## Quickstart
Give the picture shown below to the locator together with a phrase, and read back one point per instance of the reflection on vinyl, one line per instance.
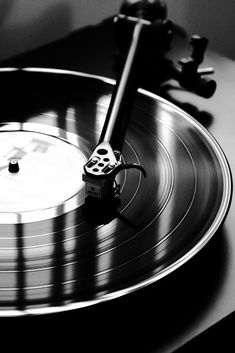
(56, 252)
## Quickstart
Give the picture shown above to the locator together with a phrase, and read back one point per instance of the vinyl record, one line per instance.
(57, 251)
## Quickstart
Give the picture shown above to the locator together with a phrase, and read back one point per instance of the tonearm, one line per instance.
(141, 26)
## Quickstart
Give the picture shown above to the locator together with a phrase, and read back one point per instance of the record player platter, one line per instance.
(58, 253)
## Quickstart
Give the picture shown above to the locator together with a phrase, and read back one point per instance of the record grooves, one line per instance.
(67, 256)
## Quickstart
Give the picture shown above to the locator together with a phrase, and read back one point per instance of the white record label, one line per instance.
(50, 172)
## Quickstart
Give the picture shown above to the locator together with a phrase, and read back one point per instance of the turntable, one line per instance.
(107, 189)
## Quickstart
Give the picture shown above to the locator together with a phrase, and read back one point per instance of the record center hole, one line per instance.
(102, 151)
